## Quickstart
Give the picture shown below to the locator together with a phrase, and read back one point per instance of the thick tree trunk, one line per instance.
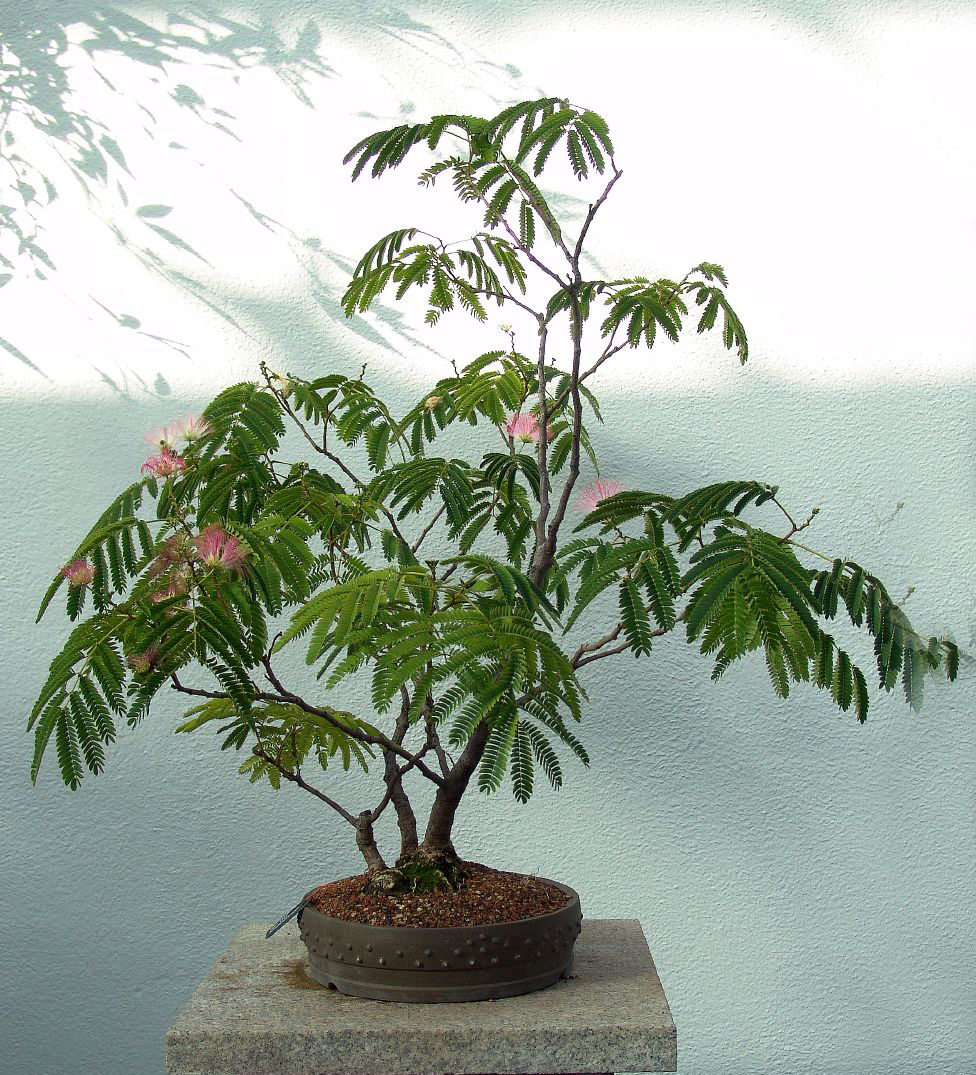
(434, 864)
(437, 837)
(406, 819)
(366, 842)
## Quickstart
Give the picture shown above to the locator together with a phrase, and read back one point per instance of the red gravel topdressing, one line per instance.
(487, 896)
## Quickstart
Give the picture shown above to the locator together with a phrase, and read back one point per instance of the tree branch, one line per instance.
(287, 408)
(197, 692)
(379, 740)
(323, 449)
(394, 781)
(545, 483)
(593, 651)
(594, 209)
(395, 791)
(607, 653)
(609, 352)
(427, 529)
(516, 239)
(546, 552)
(504, 294)
(260, 752)
(557, 239)
(433, 738)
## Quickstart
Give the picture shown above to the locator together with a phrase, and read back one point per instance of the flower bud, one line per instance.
(140, 663)
(78, 573)
(282, 383)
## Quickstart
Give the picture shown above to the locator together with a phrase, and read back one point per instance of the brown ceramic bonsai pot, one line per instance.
(442, 964)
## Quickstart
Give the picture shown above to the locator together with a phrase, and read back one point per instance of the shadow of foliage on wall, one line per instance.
(42, 48)
(60, 99)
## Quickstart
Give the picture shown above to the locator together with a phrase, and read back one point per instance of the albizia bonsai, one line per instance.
(449, 580)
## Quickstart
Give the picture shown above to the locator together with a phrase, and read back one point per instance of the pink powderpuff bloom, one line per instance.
(190, 428)
(523, 427)
(187, 429)
(217, 548)
(163, 438)
(164, 464)
(596, 491)
(78, 572)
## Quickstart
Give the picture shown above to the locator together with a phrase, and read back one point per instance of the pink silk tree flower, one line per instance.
(164, 464)
(217, 548)
(523, 427)
(189, 429)
(163, 438)
(595, 491)
(78, 572)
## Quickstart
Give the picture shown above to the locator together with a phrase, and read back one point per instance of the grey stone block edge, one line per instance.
(256, 1013)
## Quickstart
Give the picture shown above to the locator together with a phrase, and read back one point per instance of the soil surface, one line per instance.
(487, 896)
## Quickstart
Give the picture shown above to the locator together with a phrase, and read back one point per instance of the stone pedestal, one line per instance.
(258, 1013)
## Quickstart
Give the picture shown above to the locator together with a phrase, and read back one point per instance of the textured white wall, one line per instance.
(806, 884)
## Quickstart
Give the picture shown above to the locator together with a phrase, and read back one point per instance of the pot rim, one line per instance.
(345, 923)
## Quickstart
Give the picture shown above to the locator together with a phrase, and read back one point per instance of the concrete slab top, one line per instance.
(258, 1013)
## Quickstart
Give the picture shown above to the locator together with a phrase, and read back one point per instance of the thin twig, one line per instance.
(593, 210)
(504, 294)
(297, 778)
(591, 651)
(427, 529)
(608, 353)
(516, 239)
(795, 527)
(605, 653)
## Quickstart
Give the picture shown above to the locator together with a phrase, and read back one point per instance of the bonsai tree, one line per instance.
(450, 580)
